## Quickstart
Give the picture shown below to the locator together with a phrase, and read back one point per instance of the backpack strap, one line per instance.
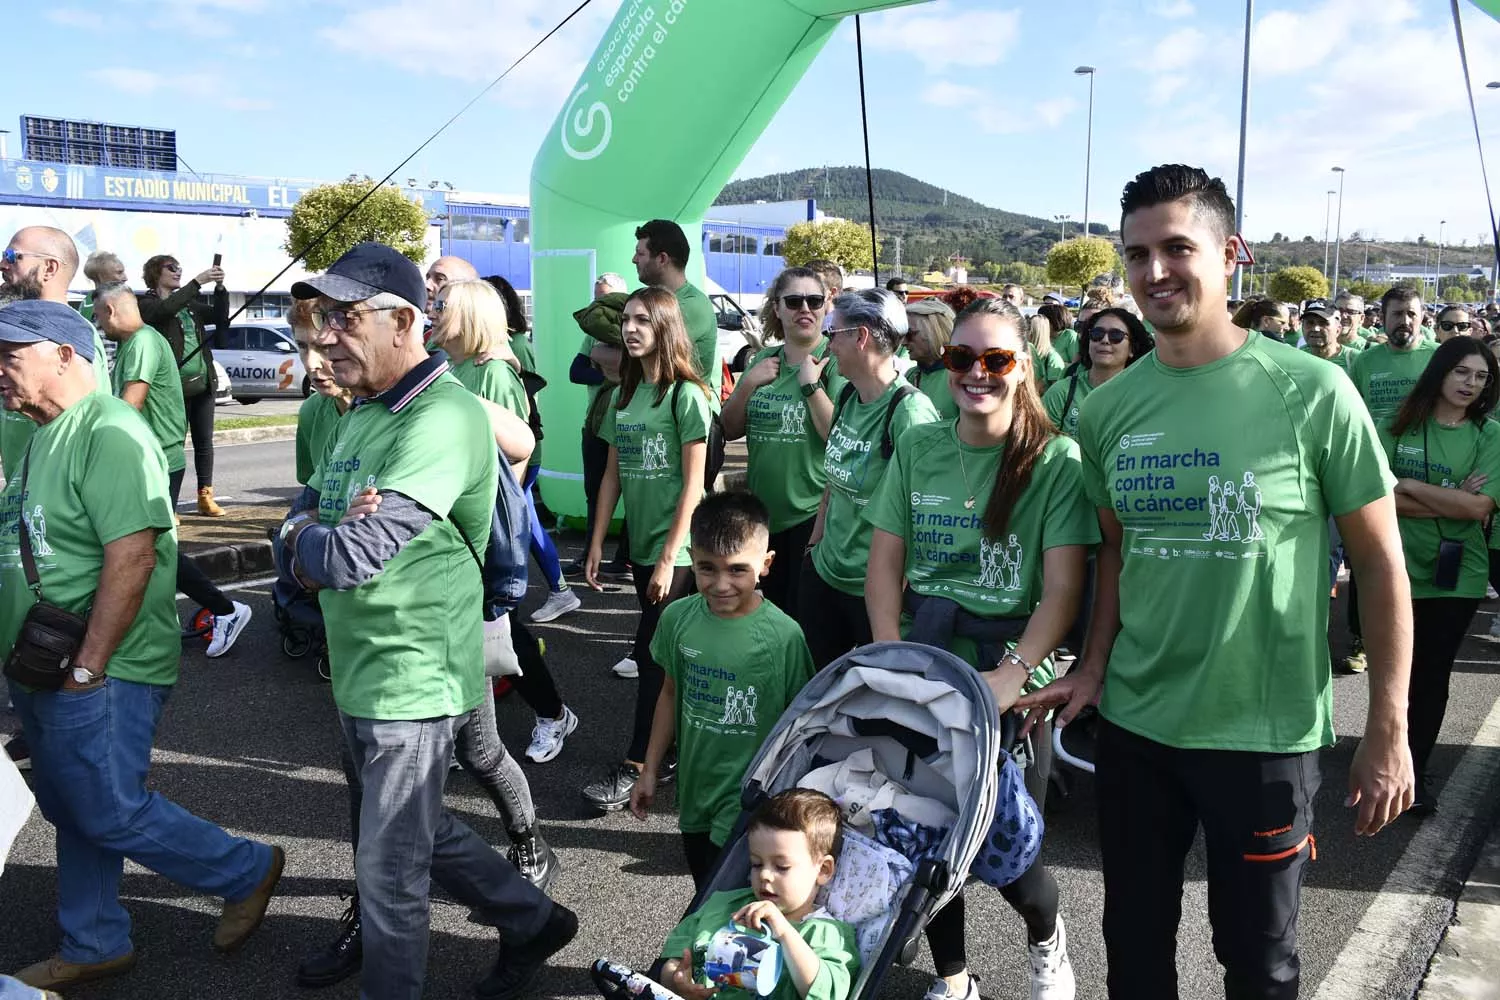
(887, 446)
(1068, 403)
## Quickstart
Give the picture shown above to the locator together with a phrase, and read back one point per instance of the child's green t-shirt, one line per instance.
(734, 677)
(831, 940)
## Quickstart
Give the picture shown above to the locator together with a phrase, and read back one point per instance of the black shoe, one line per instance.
(535, 861)
(19, 752)
(341, 958)
(668, 769)
(612, 791)
(519, 963)
(617, 569)
(574, 568)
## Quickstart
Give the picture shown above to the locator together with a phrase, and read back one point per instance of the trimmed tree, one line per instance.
(1079, 260)
(1298, 283)
(839, 240)
(385, 217)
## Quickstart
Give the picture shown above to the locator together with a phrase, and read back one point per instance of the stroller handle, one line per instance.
(1062, 752)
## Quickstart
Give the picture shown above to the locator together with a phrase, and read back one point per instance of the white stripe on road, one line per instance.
(1371, 961)
(242, 585)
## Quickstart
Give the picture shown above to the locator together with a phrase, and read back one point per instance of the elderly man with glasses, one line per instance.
(390, 535)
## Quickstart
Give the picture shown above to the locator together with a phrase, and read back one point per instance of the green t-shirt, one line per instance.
(1385, 376)
(495, 381)
(408, 643)
(831, 940)
(520, 346)
(1057, 397)
(599, 395)
(854, 464)
(1344, 358)
(316, 418)
(734, 677)
(922, 500)
(1050, 368)
(16, 428)
(197, 366)
(95, 475)
(703, 330)
(1065, 343)
(786, 453)
(648, 438)
(934, 385)
(1224, 602)
(1445, 456)
(145, 356)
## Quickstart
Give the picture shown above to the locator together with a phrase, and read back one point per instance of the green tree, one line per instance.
(1079, 260)
(839, 240)
(1370, 291)
(1020, 273)
(385, 217)
(1455, 286)
(1296, 283)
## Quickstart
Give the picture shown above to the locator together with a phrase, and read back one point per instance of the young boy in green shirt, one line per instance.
(733, 662)
(794, 844)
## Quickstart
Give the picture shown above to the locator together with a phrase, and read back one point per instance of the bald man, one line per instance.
(40, 263)
(442, 271)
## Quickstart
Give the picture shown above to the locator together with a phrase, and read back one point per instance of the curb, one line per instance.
(228, 563)
(1467, 963)
(254, 435)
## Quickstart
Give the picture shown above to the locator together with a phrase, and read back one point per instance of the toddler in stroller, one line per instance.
(906, 738)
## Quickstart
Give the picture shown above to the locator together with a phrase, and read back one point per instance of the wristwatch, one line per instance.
(83, 675)
(811, 388)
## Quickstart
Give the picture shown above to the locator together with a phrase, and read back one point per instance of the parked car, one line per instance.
(740, 334)
(262, 361)
(226, 385)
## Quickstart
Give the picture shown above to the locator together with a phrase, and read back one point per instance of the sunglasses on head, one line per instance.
(1449, 326)
(996, 360)
(796, 302)
(1099, 333)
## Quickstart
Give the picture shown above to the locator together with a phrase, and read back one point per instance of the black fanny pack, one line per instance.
(50, 636)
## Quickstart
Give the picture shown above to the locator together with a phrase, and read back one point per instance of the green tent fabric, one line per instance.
(1490, 7)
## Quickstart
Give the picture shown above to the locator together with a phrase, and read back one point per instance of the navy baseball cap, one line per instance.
(31, 321)
(365, 271)
(1319, 307)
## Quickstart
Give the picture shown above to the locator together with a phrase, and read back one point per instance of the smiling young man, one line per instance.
(1208, 637)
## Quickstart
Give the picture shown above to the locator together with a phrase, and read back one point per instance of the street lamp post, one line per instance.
(1437, 286)
(1239, 186)
(1088, 149)
(1062, 226)
(1338, 232)
(1327, 223)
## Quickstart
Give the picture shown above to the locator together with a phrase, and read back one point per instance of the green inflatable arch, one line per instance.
(668, 106)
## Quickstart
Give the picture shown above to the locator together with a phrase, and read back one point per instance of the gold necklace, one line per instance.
(962, 468)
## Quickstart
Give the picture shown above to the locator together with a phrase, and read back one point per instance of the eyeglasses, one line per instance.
(174, 268)
(338, 319)
(796, 302)
(900, 293)
(10, 255)
(438, 305)
(1471, 375)
(996, 360)
(1449, 326)
(843, 329)
(1098, 334)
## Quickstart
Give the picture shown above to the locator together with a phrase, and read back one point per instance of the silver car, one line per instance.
(262, 361)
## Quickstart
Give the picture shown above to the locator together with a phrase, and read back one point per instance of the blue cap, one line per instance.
(365, 271)
(31, 321)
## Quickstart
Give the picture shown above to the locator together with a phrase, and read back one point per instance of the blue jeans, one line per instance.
(406, 839)
(543, 548)
(90, 752)
(14, 989)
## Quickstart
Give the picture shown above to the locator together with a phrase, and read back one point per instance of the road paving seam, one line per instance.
(1388, 953)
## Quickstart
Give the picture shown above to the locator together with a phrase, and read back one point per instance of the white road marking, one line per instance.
(1372, 959)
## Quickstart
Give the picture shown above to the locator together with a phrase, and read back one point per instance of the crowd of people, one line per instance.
(1066, 504)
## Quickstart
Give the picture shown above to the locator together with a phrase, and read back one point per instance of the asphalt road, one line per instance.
(250, 741)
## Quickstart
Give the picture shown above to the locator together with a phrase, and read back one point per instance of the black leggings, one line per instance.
(832, 621)
(648, 685)
(192, 582)
(780, 586)
(595, 459)
(701, 853)
(1439, 625)
(1034, 895)
(200, 418)
(535, 683)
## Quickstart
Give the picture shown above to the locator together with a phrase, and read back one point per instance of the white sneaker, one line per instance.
(1495, 627)
(1489, 593)
(626, 668)
(227, 628)
(547, 738)
(1051, 972)
(558, 603)
(939, 990)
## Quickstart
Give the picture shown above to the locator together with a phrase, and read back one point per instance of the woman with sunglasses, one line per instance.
(1115, 339)
(870, 414)
(1453, 321)
(1445, 453)
(658, 447)
(929, 328)
(988, 513)
(783, 406)
(172, 308)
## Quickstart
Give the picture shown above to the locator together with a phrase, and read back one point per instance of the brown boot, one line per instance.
(206, 505)
(57, 972)
(241, 919)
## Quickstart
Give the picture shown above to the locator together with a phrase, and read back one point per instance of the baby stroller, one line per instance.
(300, 621)
(926, 720)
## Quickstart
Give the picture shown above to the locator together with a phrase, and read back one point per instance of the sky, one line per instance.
(976, 96)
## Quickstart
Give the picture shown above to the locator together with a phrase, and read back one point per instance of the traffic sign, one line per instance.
(1242, 255)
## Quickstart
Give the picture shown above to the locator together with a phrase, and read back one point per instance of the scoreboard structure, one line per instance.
(97, 144)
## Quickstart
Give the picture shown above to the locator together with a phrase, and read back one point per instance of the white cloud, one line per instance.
(941, 36)
(72, 17)
(1173, 9)
(992, 114)
(200, 86)
(1050, 113)
(943, 94)
(138, 82)
(1179, 50)
(1165, 87)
